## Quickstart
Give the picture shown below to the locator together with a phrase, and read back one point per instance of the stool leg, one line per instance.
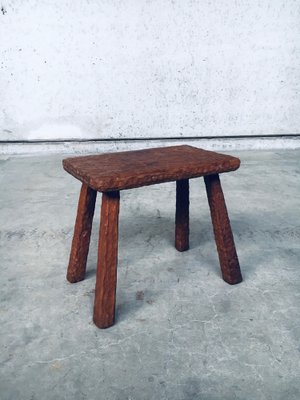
(182, 215)
(82, 234)
(106, 279)
(223, 235)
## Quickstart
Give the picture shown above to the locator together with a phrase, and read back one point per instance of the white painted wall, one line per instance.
(148, 68)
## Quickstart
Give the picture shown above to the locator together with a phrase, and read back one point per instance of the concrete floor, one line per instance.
(181, 332)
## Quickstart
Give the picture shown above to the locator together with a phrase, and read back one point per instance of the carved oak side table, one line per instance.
(109, 173)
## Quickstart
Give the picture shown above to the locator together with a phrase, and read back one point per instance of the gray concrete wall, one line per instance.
(79, 69)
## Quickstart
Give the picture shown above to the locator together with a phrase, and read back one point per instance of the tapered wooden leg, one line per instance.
(223, 235)
(182, 215)
(82, 234)
(106, 279)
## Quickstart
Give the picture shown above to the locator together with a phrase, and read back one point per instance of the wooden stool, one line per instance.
(109, 173)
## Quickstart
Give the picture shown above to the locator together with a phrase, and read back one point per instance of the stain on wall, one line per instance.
(139, 69)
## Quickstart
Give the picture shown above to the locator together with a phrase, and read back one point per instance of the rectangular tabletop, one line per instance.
(130, 169)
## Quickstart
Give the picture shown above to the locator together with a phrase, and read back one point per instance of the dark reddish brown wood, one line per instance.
(112, 172)
(129, 169)
(182, 215)
(82, 234)
(106, 279)
(223, 235)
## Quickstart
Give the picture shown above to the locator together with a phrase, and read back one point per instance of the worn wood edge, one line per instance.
(153, 179)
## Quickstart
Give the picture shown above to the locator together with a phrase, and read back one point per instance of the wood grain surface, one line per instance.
(106, 278)
(223, 234)
(82, 234)
(129, 169)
